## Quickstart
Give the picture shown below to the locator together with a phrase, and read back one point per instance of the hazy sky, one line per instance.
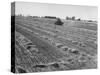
(58, 10)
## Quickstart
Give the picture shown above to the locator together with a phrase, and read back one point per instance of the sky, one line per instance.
(58, 10)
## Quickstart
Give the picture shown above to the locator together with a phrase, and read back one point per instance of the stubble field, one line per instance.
(40, 47)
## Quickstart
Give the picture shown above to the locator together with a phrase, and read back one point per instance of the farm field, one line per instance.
(42, 47)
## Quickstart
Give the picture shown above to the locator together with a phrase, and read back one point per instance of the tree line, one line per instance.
(58, 20)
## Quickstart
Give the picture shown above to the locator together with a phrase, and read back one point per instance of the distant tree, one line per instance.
(50, 17)
(20, 15)
(70, 18)
(73, 18)
(90, 21)
(67, 18)
(35, 16)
